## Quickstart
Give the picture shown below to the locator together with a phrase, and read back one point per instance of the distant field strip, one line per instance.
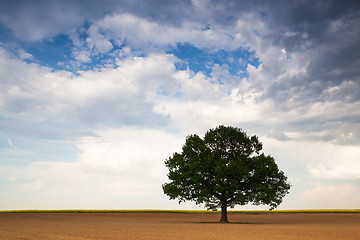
(183, 211)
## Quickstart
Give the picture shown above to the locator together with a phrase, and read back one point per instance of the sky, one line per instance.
(96, 95)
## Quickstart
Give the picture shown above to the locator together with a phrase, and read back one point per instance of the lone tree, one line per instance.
(225, 169)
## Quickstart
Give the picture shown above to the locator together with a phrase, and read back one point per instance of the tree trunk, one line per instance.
(224, 218)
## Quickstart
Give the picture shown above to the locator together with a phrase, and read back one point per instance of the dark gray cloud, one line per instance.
(36, 20)
(298, 17)
(325, 32)
(300, 22)
(325, 35)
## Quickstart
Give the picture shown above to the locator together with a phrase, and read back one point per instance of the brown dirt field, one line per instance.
(178, 226)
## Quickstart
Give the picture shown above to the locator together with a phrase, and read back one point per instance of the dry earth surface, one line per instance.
(178, 226)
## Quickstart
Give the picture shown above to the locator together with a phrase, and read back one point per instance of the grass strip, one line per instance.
(181, 211)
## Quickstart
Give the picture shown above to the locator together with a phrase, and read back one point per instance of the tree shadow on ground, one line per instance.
(227, 223)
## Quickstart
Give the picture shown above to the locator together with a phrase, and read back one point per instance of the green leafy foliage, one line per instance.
(225, 169)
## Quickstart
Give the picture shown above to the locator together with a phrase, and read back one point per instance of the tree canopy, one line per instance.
(224, 169)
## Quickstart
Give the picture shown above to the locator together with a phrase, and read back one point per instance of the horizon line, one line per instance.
(177, 211)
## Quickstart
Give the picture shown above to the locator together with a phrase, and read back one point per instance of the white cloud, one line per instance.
(346, 171)
(194, 115)
(131, 152)
(337, 162)
(322, 175)
(97, 41)
(82, 56)
(120, 167)
(23, 55)
(322, 160)
(145, 34)
(126, 165)
(32, 91)
(196, 86)
(339, 195)
(140, 87)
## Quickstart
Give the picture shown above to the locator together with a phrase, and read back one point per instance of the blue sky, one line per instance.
(96, 95)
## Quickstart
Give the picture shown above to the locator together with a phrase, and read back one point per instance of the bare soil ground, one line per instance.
(178, 226)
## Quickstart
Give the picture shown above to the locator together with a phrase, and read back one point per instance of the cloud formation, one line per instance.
(135, 77)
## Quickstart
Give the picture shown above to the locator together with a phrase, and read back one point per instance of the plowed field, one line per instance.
(107, 226)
